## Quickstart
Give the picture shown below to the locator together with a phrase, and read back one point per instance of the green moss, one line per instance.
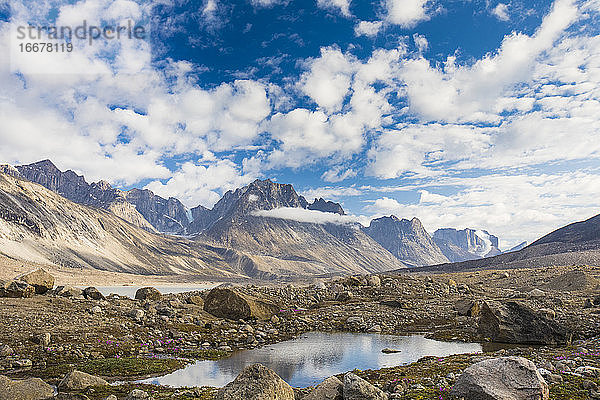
(128, 367)
(570, 389)
(205, 354)
(157, 392)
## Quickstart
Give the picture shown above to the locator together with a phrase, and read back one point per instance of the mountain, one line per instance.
(466, 244)
(38, 224)
(140, 207)
(287, 244)
(518, 247)
(326, 206)
(574, 244)
(407, 240)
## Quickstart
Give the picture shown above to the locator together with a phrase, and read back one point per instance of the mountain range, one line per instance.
(232, 238)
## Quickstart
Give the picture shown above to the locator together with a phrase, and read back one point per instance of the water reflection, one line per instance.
(315, 356)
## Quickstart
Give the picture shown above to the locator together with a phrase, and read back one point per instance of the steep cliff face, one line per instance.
(147, 210)
(466, 244)
(407, 240)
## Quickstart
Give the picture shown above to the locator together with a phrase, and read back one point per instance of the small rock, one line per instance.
(137, 314)
(96, 310)
(344, 296)
(373, 281)
(24, 363)
(196, 300)
(111, 397)
(5, 350)
(374, 329)
(137, 394)
(536, 293)
(77, 380)
(43, 340)
(387, 350)
(69, 291)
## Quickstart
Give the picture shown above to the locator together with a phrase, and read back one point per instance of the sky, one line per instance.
(463, 113)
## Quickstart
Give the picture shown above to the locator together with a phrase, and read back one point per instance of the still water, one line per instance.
(129, 291)
(314, 356)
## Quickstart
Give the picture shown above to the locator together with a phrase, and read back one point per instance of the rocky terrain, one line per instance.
(550, 316)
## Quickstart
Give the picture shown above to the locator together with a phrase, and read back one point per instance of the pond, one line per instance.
(129, 291)
(315, 356)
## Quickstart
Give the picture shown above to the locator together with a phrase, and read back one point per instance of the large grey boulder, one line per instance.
(16, 289)
(69, 291)
(330, 389)
(39, 279)
(504, 378)
(356, 388)
(515, 322)
(28, 389)
(257, 382)
(148, 293)
(229, 303)
(77, 380)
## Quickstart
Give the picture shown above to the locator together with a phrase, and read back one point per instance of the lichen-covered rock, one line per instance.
(229, 303)
(356, 388)
(257, 382)
(77, 380)
(503, 378)
(41, 280)
(28, 389)
(148, 293)
(69, 291)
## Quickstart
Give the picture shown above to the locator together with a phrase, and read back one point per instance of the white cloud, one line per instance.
(514, 207)
(330, 192)
(342, 5)
(406, 13)
(421, 42)
(368, 28)
(338, 174)
(311, 216)
(501, 12)
(203, 184)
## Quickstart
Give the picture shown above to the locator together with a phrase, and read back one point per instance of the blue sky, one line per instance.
(479, 114)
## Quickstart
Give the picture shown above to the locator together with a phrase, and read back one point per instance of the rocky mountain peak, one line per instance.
(466, 244)
(406, 239)
(9, 170)
(326, 206)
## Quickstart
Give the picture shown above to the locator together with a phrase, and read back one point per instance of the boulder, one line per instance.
(256, 382)
(69, 291)
(344, 296)
(356, 388)
(196, 300)
(28, 389)
(330, 389)
(467, 308)
(229, 303)
(503, 378)
(373, 280)
(17, 289)
(137, 394)
(514, 322)
(39, 279)
(148, 293)
(43, 339)
(91, 293)
(77, 380)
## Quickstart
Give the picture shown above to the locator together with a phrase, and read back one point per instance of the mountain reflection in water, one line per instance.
(314, 356)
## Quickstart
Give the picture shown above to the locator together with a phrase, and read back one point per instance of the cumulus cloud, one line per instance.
(202, 184)
(311, 216)
(406, 13)
(342, 5)
(501, 12)
(338, 174)
(368, 28)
